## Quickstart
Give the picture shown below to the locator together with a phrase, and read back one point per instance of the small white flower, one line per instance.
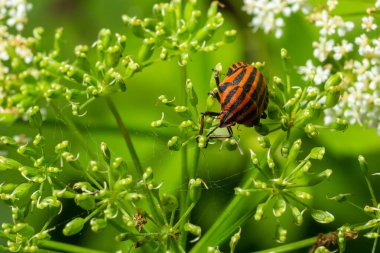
(377, 4)
(322, 48)
(317, 74)
(342, 49)
(331, 4)
(368, 24)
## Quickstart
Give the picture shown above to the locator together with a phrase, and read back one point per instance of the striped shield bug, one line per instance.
(243, 96)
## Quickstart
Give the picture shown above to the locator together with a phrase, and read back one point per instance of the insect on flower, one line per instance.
(243, 96)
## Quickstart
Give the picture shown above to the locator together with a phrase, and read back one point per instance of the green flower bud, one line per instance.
(278, 83)
(230, 36)
(26, 151)
(175, 143)
(186, 123)
(113, 55)
(333, 95)
(110, 212)
(193, 22)
(30, 248)
(98, 225)
(193, 229)
(311, 131)
(135, 24)
(303, 195)
(333, 80)
(192, 95)
(285, 148)
(50, 201)
(372, 235)
(61, 147)
(35, 117)
(297, 215)
(317, 153)
(6, 140)
(146, 50)
(258, 184)
(254, 157)
(134, 197)
(321, 216)
(281, 234)
(119, 167)
(340, 197)
(8, 164)
(183, 111)
(242, 192)
(363, 165)
(234, 240)
(164, 54)
(202, 141)
(58, 39)
(230, 144)
(163, 99)
(213, 250)
(279, 207)
(316, 179)
(284, 53)
(105, 151)
(264, 142)
(64, 193)
(339, 125)
(121, 184)
(21, 192)
(23, 229)
(259, 211)
(195, 189)
(294, 151)
(169, 202)
(262, 129)
(73, 227)
(85, 200)
(169, 17)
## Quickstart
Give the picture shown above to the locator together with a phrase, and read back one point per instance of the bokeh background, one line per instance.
(222, 170)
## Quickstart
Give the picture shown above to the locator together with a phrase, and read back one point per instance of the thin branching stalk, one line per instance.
(134, 156)
(66, 247)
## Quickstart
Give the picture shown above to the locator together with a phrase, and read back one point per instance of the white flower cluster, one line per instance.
(13, 15)
(360, 101)
(357, 57)
(268, 14)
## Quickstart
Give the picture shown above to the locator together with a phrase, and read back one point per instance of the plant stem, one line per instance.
(184, 162)
(65, 247)
(290, 247)
(135, 158)
(238, 211)
(375, 241)
(370, 188)
(127, 138)
(75, 131)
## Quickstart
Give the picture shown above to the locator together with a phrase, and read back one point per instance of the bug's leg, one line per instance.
(231, 135)
(216, 77)
(215, 94)
(202, 121)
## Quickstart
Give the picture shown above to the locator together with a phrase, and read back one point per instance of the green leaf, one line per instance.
(321, 216)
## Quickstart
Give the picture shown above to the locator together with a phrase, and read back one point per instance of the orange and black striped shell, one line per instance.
(243, 96)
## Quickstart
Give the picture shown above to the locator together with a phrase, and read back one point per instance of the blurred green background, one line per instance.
(222, 170)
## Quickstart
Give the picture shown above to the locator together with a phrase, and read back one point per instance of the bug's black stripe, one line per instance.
(235, 67)
(248, 85)
(250, 102)
(238, 78)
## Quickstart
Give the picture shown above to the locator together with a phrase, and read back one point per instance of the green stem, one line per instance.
(238, 211)
(65, 247)
(370, 188)
(375, 241)
(290, 247)
(75, 131)
(184, 202)
(126, 136)
(135, 158)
